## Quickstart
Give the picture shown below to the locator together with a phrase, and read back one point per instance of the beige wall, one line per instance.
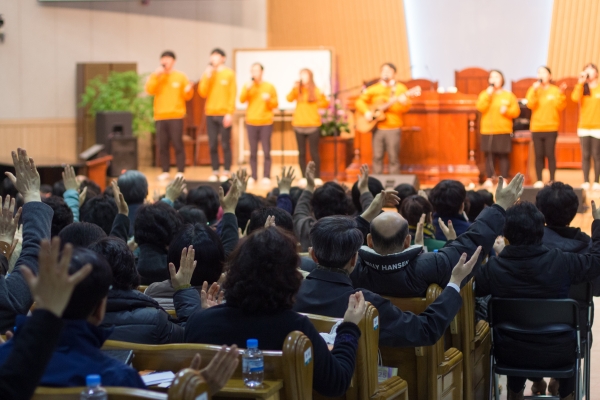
(574, 36)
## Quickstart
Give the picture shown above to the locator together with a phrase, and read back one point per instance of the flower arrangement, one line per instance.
(334, 120)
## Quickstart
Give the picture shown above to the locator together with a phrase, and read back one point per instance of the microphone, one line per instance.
(539, 80)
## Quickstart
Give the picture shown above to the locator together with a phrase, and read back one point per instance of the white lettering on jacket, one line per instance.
(387, 267)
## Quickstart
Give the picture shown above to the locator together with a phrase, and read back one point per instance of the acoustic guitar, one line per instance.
(378, 110)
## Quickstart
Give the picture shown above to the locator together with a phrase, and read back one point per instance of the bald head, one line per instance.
(389, 231)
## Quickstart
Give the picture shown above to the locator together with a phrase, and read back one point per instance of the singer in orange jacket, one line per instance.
(498, 108)
(546, 101)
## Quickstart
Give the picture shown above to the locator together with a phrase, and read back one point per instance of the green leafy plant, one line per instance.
(121, 91)
(334, 120)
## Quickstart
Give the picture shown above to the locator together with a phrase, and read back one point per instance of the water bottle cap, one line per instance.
(435, 251)
(252, 343)
(92, 380)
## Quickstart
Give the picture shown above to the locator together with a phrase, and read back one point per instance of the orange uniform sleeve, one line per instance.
(483, 101)
(205, 84)
(152, 84)
(561, 101)
(322, 101)
(532, 98)
(398, 107)
(244, 94)
(364, 101)
(513, 110)
(292, 95)
(232, 92)
(577, 93)
(187, 96)
(273, 102)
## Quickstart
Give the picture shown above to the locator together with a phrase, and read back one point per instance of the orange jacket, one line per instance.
(589, 111)
(219, 92)
(492, 121)
(169, 94)
(260, 111)
(306, 113)
(380, 93)
(545, 105)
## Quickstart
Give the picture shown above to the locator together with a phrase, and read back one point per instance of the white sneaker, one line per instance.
(164, 176)
(318, 182)
(488, 183)
(224, 178)
(596, 187)
(179, 175)
(538, 185)
(265, 181)
(585, 186)
(213, 178)
(251, 182)
(302, 183)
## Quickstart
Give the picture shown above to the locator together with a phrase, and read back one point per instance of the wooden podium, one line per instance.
(440, 139)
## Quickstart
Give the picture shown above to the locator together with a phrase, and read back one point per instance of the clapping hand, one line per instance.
(26, 178)
(220, 369)
(9, 221)
(210, 297)
(119, 199)
(229, 202)
(448, 231)
(386, 197)
(507, 196)
(187, 265)
(463, 268)
(499, 244)
(270, 222)
(175, 188)
(356, 308)
(311, 170)
(287, 177)
(419, 240)
(363, 179)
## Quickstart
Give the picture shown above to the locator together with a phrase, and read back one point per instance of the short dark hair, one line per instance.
(447, 197)
(121, 261)
(389, 64)
(93, 189)
(501, 76)
(245, 206)
(210, 255)
(413, 207)
(488, 198)
(156, 224)
(524, 224)
(404, 190)
(45, 189)
(218, 51)
(295, 193)
(262, 274)
(63, 215)
(206, 199)
(547, 68)
(81, 234)
(134, 186)
(335, 240)
(329, 199)
(58, 189)
(168, 53)
(8, 188)
(88, 293)
(192, 215)
(375, 187)
(476, 204)
(558, 202)
(100, 210)
(283, 219)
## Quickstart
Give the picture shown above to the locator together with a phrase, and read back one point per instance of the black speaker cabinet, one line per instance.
(391, 181)
(124, 152)
(112, 124)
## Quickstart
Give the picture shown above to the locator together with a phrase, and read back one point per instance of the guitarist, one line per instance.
(390, 96)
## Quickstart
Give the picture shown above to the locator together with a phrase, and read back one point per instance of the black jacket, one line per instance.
(225, 324)
(326, 292)
(409, 273)
(567, 239)
(138, 318)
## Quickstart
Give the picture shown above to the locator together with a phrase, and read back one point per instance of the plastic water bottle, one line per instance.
(253, 364)
(94, 391)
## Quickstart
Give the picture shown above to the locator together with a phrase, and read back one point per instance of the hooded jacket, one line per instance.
(410, 272)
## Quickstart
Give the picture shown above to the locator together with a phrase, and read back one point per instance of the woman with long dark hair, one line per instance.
(587, 94)
(307, 120)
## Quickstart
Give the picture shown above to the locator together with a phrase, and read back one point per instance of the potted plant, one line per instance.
(334, 148)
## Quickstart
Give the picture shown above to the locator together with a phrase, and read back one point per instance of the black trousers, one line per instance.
(214, 127)
(260, 133)
(170, 131)
(544, 144)
(590, 148)
(313, 143)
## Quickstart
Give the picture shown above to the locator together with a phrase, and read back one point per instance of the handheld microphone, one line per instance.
(539, 80)
(491, 84)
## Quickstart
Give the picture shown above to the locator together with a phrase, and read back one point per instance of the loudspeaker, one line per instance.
(110, 124)
(529, 193)
(391, 181)
(124, 152)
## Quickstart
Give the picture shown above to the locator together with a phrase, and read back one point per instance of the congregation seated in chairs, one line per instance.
(377, 300)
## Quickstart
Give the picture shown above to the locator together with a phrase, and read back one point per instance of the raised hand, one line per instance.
(70, 179)
(119, 199)
(227, 120)
(563, 86)
(210, 297)
(507, 196)
(9, 221)
(386, 197)
(51, 289)
(243, 177)
(287, 177)
(220, 369)
(82, 196)
(499, 244)
(187, 265)
(363, 179)
(419, 240)
(229, 202)
(175, 188)
(270, 221)
(311, 170)
(463, 268)
(26, 178)
(448, 231)
(356, 308)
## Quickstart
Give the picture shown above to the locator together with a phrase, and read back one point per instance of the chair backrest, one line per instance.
(520, 87)
(426, 84)
(114, 393)
(288, 365)
(471, 80)
(366, 372)
(142, 288)
(188, 385)
(537, 316)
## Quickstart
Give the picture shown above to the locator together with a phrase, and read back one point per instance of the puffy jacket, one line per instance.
(138, 318)
(410, 272)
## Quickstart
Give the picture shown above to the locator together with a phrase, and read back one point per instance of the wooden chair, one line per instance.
(426, 84)
(142, 288)
(475, 342)
(365, 385)
(471, 80)
(520, 87)
(431, 372)
(285, 369)
(188, 384)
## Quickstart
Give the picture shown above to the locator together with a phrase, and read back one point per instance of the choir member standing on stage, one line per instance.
(171, 89)
(546, 101)
(587, 94)
(498, 108)
(218, 87)
(307, 121)
(262, 100)
(386, 136)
